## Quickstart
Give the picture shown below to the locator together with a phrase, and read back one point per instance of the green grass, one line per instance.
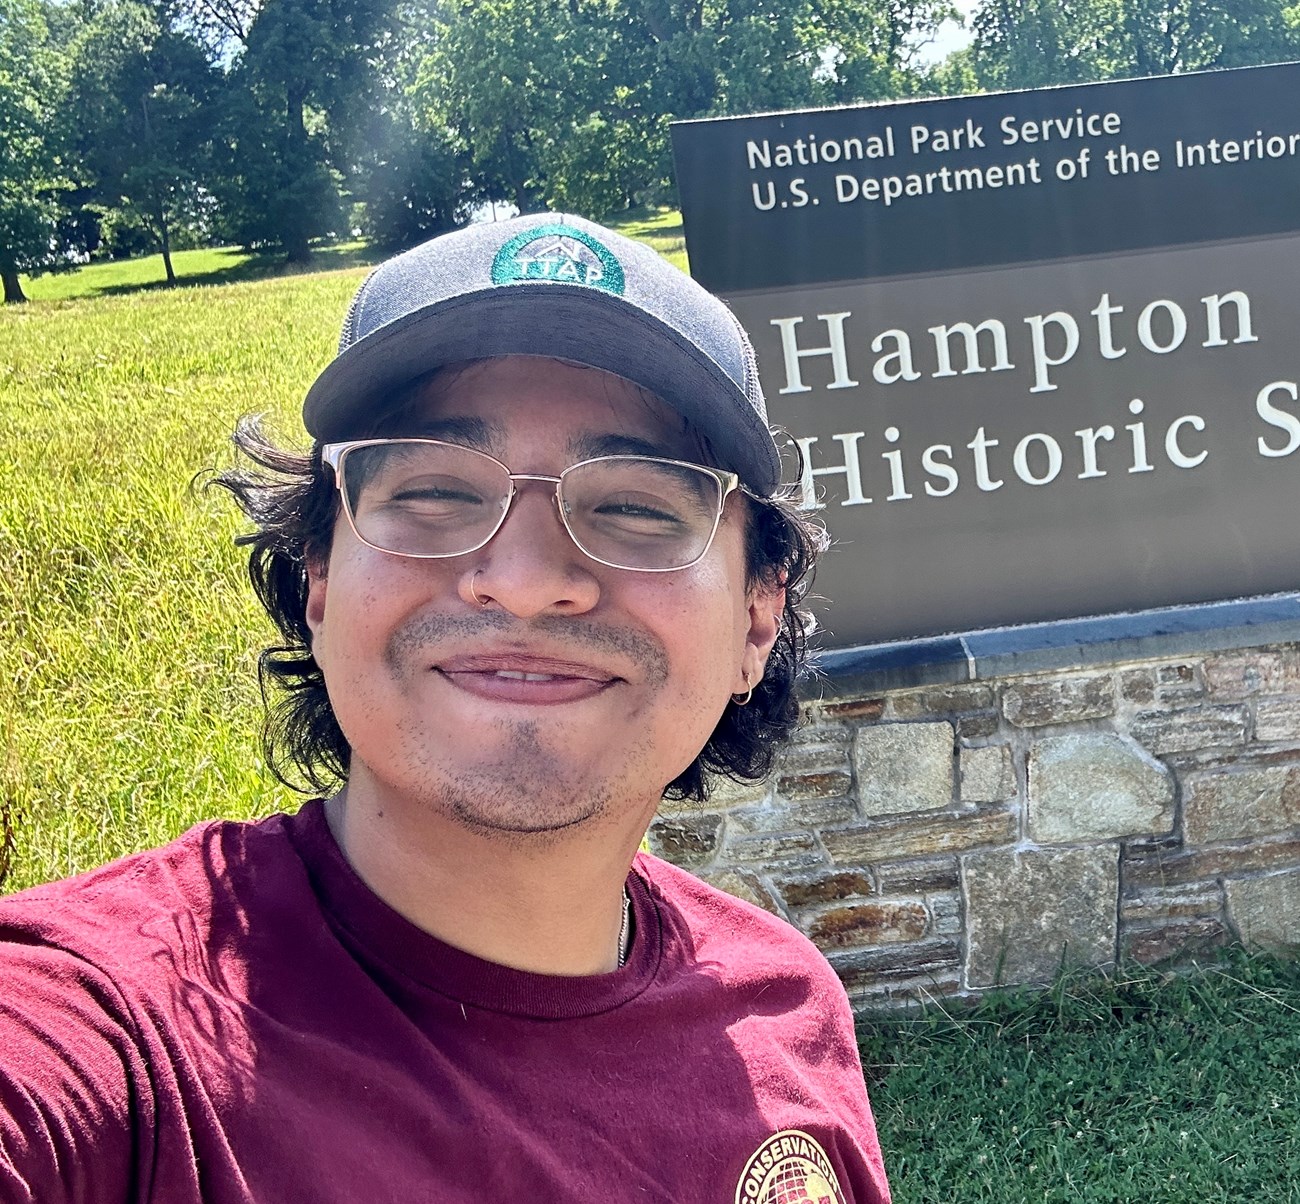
(128, 635)
(1142, 1087)
(661, 229)
(213, 265)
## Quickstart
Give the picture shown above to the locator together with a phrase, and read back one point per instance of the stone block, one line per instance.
(861, 969)
(773, 849)
(724, 792)
(940, 700)
(1173, 942)
(1239, 674)
(1095, 786)
(744, 885)
(824, 886)
(1190, 728)
(896, 839)
(1277, 719)
(979, 726)
(1237, 804)
(782, 816)
(1137, 686)
(1058, 700)
(917, 877)
(1174, 867)
(945, 914)
(904, 767)
(860, 710)
(987, 775)
(1163, 903)
(1030, 912)
(828, 784)
(906, 994)
(815, 756)
(1178, 683)
(689, 841)
(881, 923)
(1265, 912)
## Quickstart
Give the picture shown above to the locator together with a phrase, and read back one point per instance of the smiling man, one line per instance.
(535, 574)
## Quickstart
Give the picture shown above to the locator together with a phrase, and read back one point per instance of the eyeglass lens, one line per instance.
(422, 498)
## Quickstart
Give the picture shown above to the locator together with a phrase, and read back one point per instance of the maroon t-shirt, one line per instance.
(236, 1017)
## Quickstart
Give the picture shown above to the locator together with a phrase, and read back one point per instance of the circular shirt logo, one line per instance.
(789, 1168)
(558, 254)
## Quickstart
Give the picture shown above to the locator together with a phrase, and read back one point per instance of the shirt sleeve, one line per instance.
(67, 1067)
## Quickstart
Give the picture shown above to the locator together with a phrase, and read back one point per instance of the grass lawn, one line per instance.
(1141, 1089)
(129, 710)
(212, 265)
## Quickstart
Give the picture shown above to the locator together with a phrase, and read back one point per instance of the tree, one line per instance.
(137, 103)
(299, 95)
(567, 102)
(1036, 43)
(31, 175)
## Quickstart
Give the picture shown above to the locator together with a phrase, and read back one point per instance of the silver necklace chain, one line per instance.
(623, 929)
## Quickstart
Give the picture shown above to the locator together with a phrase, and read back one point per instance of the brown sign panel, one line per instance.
(1038, 398)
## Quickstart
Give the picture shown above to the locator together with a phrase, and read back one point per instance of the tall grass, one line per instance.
(128, 633)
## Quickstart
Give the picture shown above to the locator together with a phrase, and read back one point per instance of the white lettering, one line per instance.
(835, 349)
(1042, 361)
(1278, 418)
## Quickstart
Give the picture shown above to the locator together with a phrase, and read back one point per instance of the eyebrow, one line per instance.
(588, 447)
(485, 435)
(477, 433)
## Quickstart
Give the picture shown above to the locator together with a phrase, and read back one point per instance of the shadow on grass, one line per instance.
(661, 229)
(241, 266)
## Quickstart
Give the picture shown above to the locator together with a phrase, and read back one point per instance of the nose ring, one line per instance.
(474, 593)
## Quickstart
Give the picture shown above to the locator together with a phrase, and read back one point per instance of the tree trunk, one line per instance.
(13, 286)
(296, 237)
(165, 237)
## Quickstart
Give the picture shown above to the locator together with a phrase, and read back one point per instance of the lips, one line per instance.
(527, 679)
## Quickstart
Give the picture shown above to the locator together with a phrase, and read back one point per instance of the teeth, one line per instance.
(515, 675)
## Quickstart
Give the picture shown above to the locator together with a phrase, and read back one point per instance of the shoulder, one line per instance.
(734, 932)
(115, 916)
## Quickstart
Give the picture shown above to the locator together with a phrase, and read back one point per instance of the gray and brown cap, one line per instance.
(557, 286)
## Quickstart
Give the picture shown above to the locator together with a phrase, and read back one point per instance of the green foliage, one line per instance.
(1143, 1086)
(412, 185)
(136, 115)
(567, 102)
(1036, 43)
(31, 177)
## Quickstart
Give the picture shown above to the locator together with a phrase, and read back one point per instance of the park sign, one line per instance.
(1040, 350)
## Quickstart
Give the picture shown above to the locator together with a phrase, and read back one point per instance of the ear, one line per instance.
(317, 580)
(765, 605)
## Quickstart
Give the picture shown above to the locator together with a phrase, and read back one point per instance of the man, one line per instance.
(532, 576)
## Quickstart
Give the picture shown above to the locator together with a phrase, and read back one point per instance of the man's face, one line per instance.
(579, 691)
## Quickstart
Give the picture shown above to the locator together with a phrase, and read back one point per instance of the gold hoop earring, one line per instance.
(473, 593)
(742, 700)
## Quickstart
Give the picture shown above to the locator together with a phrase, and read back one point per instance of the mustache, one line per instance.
(428, 631)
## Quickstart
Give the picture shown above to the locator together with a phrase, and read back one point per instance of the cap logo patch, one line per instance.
(558, 254)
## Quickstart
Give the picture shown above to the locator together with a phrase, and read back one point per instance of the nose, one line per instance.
(531, 566)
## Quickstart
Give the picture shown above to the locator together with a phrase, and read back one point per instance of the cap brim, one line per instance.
(574, 323)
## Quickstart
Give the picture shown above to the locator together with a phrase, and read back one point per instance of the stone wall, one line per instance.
(940, 840)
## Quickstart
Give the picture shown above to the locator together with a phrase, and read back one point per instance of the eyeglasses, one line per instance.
(430, 499)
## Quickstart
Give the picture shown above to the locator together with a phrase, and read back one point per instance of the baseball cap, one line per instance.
(553, 285)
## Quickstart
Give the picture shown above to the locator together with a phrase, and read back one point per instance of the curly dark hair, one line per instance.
(293, 503)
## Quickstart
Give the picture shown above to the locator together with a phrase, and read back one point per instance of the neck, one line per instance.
(549, 903)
